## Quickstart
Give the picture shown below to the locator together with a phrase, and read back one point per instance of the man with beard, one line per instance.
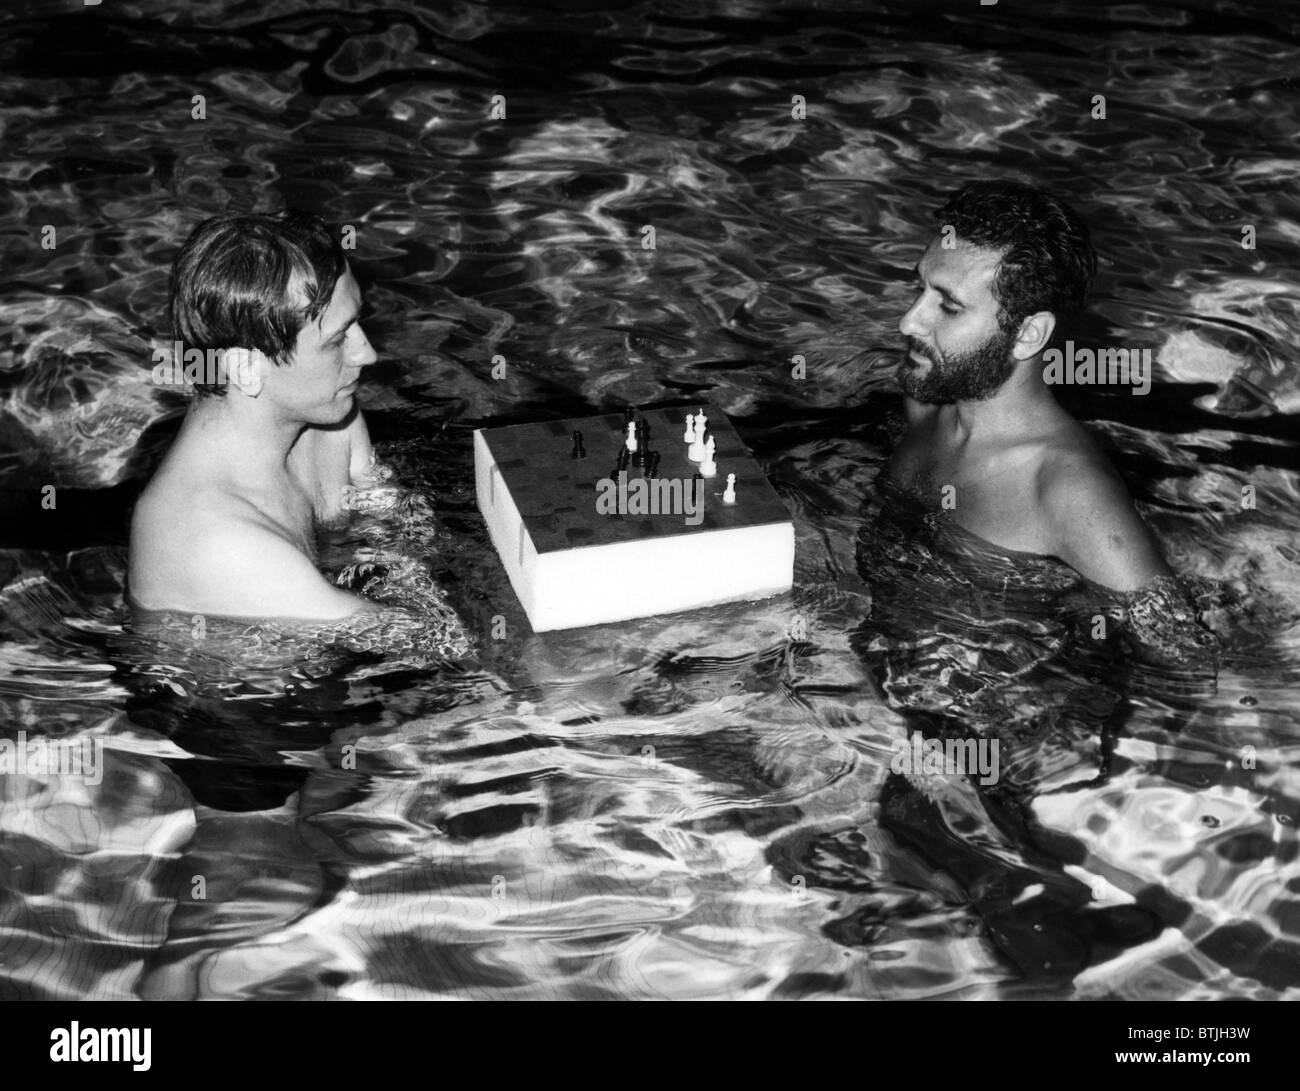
(1004, 651)
(986, 441)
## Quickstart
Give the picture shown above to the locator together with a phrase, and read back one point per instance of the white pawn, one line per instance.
(690, 429)
(708, 468)
(729, 494)
(631, 436)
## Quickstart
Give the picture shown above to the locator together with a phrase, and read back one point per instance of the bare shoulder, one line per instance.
(199, 550)
(1071, 464)
(1091, 518)
(170, 517)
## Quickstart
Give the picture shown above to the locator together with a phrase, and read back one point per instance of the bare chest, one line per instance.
(991, 493)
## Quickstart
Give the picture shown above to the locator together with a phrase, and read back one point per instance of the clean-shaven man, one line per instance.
(271, 441)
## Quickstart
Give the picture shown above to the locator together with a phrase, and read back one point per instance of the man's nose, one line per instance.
(910, 325)
(365, 355)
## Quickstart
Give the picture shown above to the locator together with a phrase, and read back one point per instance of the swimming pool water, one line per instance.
(698, 805)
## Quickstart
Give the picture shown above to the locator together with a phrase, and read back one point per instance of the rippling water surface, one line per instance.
(698, 805)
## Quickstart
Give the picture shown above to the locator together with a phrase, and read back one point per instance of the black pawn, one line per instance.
(579, 451)
(652, 465)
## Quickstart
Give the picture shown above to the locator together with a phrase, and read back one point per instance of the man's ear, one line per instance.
(246, 370)
(1034, 336)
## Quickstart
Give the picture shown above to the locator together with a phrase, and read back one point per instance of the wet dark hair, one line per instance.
(239, 280)
(1048, 263)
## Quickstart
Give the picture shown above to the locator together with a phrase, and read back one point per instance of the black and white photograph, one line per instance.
(674, 500)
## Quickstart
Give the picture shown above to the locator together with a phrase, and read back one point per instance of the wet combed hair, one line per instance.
(240, 279)
(1048, 263)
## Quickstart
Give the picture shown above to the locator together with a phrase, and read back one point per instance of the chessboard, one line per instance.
(592, 528)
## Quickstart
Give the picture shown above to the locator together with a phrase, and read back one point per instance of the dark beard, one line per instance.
(968, 377)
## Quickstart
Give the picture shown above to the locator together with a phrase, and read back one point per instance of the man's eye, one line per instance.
(947, 309)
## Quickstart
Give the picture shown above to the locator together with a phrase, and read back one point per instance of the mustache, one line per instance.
(918, 349)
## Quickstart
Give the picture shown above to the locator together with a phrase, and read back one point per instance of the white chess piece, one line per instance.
(690, 429)
(631, 436)
(729, 494)
(696, 451)
(708, 468)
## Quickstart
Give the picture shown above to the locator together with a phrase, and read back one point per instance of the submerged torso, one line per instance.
(988, 639)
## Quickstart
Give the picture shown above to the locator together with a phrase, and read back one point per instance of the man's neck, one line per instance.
(244, 437)
(1022, 399)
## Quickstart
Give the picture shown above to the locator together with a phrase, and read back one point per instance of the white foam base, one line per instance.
(597, 584)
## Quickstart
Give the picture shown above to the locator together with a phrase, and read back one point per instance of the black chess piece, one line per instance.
(579, 451)
(624, 455)
(651, 464)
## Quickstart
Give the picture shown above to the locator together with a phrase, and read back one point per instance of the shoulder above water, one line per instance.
(1092, 521)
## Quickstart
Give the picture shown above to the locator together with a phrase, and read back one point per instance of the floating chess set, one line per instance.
(605, 518)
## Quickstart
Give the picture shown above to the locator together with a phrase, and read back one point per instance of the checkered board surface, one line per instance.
(556, 494)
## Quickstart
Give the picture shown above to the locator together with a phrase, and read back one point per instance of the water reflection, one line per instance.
(698, 805)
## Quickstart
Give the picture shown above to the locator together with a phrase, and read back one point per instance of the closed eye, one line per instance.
(341, 336)
(918, 286)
